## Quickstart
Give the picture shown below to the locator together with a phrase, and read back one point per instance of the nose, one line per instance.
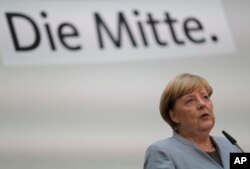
(200, 102)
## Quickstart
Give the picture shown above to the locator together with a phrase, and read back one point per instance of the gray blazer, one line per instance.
(177, 152)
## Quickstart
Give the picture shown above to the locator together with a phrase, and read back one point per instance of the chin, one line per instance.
(207, 127)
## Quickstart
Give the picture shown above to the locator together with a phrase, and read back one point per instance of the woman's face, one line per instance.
(194, 113)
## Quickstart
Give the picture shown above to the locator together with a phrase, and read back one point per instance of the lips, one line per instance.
(204, 115)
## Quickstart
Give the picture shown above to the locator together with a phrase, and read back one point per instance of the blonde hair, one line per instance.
(179, 86)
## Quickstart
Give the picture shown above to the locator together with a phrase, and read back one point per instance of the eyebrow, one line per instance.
(192, 95)
(188, 95)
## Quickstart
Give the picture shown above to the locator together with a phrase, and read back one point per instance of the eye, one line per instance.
(190, 100)
(206, 97)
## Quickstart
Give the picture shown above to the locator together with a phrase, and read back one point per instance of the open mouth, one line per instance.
(204, 115)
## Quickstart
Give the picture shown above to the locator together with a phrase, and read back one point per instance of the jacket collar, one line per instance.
(218, 144)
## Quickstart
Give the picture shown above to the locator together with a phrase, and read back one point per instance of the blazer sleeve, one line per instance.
(155, 158)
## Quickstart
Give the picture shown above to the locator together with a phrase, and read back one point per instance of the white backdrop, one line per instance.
(105, 115)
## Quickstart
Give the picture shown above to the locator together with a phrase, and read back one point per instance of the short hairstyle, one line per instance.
(179, 86)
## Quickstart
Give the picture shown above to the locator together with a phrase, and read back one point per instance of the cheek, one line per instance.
(186, 114)
(211, 107)
(210, 103)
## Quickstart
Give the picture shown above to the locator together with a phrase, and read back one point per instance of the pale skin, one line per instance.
(194, 114)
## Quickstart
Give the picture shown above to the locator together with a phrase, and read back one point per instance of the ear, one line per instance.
(173, 117)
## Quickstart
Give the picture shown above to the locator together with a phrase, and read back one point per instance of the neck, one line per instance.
(201, 140)
(196, 137)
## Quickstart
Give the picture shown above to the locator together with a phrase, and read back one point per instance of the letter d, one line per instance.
(18, 47)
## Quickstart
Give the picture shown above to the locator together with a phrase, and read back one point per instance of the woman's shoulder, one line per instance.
(224, 143)
(163, 144)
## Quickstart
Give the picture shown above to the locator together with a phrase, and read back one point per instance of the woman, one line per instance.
(186, 106)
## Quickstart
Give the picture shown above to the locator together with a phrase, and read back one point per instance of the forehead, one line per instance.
(199, 90)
